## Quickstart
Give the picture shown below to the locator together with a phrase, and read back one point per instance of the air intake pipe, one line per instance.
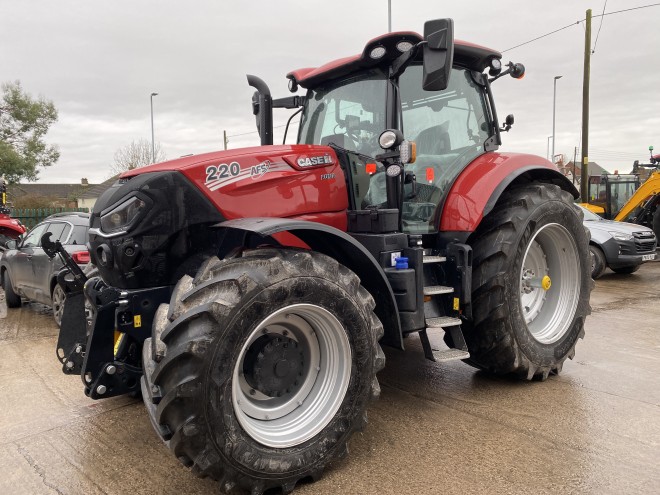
(262, 108)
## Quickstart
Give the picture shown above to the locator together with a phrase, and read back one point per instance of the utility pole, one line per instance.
(225, 138)
(584, 181)
(389, 16)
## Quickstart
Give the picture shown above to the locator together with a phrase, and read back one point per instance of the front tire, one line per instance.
(13, 300)
(262, 366)
(531, 283)
(598, 262)
(58, 298)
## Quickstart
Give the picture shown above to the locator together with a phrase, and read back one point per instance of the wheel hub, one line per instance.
(291, 375)
(274, 365)
(549, 283)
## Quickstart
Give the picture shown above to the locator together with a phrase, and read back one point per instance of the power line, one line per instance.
(602, 16)
(256, 132)
(580, 21)
(543, 36)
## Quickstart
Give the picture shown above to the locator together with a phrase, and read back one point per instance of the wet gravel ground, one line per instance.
(437, 427)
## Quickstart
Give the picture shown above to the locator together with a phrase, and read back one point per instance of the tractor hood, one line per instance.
(156, 221)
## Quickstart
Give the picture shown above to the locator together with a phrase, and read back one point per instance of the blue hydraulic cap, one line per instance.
(401, 263)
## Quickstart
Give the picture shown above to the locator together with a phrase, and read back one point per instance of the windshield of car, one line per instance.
(590, 216)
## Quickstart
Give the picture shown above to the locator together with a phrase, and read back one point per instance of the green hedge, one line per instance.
(32, 216)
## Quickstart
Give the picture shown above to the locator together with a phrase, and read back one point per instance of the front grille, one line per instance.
(644, 242)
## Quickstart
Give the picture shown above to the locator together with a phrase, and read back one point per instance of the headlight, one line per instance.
(620, 236)
(122, 216)
(390, 138)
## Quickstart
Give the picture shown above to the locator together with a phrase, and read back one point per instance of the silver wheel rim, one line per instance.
(59, 297)
(321, 352)
(551, 253)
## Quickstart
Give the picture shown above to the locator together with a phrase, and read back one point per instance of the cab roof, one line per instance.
(468, 55)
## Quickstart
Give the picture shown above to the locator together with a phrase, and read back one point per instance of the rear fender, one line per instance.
(476, 191)
(331, 242)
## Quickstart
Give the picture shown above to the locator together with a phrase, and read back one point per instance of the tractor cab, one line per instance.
(432, 90)
(609, 192)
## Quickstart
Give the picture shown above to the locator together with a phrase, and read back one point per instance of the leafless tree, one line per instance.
(134, 155)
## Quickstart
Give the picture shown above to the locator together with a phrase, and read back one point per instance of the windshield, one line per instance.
(450, 128)
(350, 114)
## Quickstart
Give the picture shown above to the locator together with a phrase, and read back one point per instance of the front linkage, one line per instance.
(104, 345)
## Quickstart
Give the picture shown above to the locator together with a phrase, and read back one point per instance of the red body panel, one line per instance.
(10, 226)
(308, 77)
(464, 207)
(268, 181)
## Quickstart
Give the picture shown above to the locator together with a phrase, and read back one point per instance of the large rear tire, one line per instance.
(260, 369)
(531, 283)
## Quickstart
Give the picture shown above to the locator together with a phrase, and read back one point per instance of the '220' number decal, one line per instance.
(222, 171)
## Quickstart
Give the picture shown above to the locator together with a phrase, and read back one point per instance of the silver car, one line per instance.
(27, 272)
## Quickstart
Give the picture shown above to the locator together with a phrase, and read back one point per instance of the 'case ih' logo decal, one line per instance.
(313, 161)
(224, 174)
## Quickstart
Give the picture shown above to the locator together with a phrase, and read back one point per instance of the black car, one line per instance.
(25, 269)
(621, 246)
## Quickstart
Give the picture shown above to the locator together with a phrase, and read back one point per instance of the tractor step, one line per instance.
(442, 322)
(437, 289)
(434, 259)
(450, 355)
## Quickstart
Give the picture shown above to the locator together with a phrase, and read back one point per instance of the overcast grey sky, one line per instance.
(99, 62)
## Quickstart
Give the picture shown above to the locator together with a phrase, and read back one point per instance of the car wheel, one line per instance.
(626, 270)
(598, 263)
(13, 299)
(59, 298)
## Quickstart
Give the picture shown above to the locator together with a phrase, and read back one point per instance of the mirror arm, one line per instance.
(402, 61)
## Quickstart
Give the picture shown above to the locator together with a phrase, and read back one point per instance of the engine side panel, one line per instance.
(267, 181)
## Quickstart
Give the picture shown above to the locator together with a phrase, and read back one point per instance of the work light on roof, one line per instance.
(404, 46)
(377, 52)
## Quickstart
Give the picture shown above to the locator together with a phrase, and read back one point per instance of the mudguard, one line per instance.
(477, 189)
(336, 244)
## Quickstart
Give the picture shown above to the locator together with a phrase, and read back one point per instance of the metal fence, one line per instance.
(32, 216)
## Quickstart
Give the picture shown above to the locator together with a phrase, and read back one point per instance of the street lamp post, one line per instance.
(153, 146)
(547, 148)
(554, 104)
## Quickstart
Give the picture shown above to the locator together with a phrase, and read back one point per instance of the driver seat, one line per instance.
(433, 141)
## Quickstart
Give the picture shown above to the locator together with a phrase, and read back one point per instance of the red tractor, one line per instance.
(246, 293)
(10, 228)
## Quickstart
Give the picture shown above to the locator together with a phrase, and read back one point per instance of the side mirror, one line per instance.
(508, 122)
(11, 244)
(438, 54)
